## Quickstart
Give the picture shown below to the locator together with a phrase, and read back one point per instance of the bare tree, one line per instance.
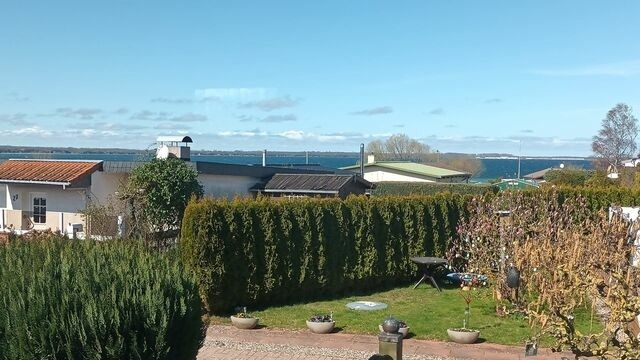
(616, 140)
(403, 148)
(398, 147)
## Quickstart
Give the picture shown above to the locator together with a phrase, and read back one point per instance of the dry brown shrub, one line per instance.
(568, 257)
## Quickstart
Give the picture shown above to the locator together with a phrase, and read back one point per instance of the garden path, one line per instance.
(229, 343)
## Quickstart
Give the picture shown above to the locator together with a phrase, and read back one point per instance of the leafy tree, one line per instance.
(158, 193)
(616, 140)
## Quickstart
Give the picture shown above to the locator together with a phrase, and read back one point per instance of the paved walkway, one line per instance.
(226, 342)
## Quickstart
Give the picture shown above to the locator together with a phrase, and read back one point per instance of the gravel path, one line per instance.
(287, 351)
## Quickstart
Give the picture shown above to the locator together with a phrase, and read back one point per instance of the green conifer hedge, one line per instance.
(64, 299)
(266, 251)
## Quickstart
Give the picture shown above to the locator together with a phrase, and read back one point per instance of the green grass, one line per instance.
(427, 312)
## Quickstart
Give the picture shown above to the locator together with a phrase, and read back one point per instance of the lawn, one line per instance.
(427, 312)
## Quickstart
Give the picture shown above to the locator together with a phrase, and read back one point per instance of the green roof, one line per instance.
(414, 168)
(515, 184)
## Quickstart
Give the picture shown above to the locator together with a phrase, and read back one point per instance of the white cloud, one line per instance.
(246, 133)
(31, 131)
(189, 117)
(15, 119)
(147, 115)
(77, 113)
(279, 118)
(381, 110)
(293, 134)
(271, 104)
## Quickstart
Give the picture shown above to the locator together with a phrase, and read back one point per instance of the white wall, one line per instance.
(104, 185)
(385, 175)
(226, 186)
(63, 205)
(3, 196)
(68, 200)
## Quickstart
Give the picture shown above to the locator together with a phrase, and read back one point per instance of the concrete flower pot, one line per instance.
(463, 336)
(403, 330)
(244, 323)
(321, 327)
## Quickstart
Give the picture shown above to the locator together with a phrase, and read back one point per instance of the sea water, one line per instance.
(492, 168)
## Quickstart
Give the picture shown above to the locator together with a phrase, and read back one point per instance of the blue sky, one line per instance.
(460, 76)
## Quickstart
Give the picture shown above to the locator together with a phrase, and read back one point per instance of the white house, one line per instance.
(51, 194)
(44, 194)
(406, 171)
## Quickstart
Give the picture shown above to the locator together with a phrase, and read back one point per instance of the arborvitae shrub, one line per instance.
(430, 188)
(269, 252)
(66, 299)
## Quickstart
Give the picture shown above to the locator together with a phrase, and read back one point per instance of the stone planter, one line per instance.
(463, 336)
(403, 330)
(321, 327)
(244, 323)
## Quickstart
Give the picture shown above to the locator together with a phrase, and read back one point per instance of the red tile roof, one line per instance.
(46, 171)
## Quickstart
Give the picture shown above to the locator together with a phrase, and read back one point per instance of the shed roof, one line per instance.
(516, 184)
(56, 172)
(538, 175)
(215, 168)
(311, 183)
(415, 168)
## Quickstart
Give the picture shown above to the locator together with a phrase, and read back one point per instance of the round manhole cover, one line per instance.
(366, 305)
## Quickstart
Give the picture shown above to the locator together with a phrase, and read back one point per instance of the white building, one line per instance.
(406, 171)
(51, 194)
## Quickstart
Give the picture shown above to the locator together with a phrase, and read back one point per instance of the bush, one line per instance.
(65, 299)
(271, 252)
(424, 188)
(570, 177)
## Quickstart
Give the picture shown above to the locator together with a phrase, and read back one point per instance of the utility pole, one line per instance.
(519, 155)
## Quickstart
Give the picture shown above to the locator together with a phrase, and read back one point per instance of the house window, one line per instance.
(39, 210)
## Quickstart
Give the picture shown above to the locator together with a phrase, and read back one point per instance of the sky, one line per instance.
(522, 77)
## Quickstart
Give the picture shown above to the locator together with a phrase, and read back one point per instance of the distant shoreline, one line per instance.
(7, 150)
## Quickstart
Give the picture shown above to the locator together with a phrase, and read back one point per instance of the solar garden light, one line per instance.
(390, 341)
(513, 278)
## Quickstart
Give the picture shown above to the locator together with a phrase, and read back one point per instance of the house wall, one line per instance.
(378, 174)
(104, 185)
(226, 186)
(63, 206)
(382, 175)
(13, 218)
(3, 196)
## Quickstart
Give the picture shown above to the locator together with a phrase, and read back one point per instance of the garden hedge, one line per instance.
(269, 252)
(426, 188)
(65, 299)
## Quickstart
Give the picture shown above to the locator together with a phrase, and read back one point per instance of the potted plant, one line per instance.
(404, 328)
(321, 324)
(243, 320)
(464, 335)
(531, 347)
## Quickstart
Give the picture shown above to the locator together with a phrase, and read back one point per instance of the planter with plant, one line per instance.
(321, 324)
(464, 335)
(243, 320)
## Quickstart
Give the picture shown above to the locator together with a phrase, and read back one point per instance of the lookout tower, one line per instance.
(173, 146)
